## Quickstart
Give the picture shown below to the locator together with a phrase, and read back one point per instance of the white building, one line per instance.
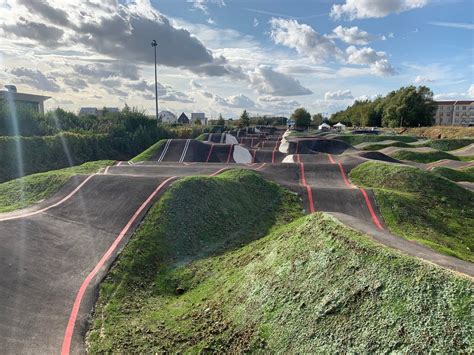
(29, 101)
(94, 111)
(199, 116)
(455, 113)
(167, 117)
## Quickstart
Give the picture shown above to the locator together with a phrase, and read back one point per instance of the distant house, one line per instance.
(29, 101)
(94, 111)
(199, 116)
(183, 119)
(167, 117)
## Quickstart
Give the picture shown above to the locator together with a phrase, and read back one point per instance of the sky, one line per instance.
(223, 56)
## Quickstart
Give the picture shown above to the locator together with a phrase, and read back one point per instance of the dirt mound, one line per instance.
(318, 145)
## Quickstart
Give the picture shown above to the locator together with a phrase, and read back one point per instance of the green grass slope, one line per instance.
(423, 157)
(449, 144)
(313, 286)
(354, 139)
(376, 146)
(453, 174)
(25, 191)
(422, 206)
(149, 153)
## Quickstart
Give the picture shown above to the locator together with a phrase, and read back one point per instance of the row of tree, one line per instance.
(406, 107)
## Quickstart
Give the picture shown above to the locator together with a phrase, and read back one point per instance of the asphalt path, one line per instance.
(55, 254)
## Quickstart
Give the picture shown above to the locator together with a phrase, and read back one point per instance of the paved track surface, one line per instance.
(55, 254)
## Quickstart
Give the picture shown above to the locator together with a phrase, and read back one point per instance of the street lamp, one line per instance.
(154, 44)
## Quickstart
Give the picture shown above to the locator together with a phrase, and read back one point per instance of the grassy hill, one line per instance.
(422, 206)
(150, 152)
(354, 139)
(25, 191)
(237, 278)
(454, 175)
(423, 157)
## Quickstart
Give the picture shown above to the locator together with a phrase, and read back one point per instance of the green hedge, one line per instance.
(48, 153)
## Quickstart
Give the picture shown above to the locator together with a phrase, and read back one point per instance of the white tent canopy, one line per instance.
(324, 126)
(340, 126)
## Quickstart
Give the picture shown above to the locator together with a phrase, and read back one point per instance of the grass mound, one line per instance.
(25, 191)
(435, 132)
(149, 153)
(313, 286)
(422, 206)
(454, 175)
(376, 146)
(354, 139)
(423, 157)
(449, 144)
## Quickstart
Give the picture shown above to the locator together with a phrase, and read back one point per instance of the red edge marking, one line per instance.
(273, 156)
(210, 152)
(331, 159)
(308, 189)
(298, 160)
(77, 302)
(52, 206)
(253, 157)
(228, 155)
(261, 166)
(343, 173)
(219, 171)
(251, 143)
(371, 209)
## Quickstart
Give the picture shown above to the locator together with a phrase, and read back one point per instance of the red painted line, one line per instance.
(371, 210)
(241, 140)
(218, 171)
(77, 302)
(228, 155)
(298, 160)
(308, 189)
(251, 143)
(343, 173)
(52, 206)
(273, 156)
(263, 144)
(209, 155)
(331, 159)
(253, 157)
(261, 166)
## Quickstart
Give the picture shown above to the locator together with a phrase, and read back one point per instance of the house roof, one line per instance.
(455, 102)
(18, 96)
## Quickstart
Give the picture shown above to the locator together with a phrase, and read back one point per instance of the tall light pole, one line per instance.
(154, 44)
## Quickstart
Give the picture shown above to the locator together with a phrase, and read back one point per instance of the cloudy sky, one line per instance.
(223, 56)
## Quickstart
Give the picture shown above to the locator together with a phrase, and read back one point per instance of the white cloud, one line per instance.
(465, 26)
(338, 95)
(270, 82)
(194, 84)
(383, 68)
(353, 35)
(365, 55)
(304, 39)
(202, 5)
(379, 65)
(211, 21)
(360, 9)
(36, 79)
(236, 101)
(422, 80)
(471, 90)
(255, 22)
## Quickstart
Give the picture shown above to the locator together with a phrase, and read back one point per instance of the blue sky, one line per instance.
(223, 56)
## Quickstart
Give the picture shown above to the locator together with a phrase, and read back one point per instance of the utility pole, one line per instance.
(154, 44)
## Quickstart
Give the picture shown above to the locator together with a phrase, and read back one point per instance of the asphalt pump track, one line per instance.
(55, 254)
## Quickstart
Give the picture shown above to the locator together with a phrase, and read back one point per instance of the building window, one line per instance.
(464, 108)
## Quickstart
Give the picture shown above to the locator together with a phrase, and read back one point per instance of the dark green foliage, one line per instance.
(354, 139)
(422, 206)
(245, 119)
(301, 117)
(317, 119)
(449, 144)
(406, 107)
(220, 121)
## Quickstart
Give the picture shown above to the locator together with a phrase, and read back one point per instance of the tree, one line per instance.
(301, 117)
(245, 119)
(317, 119)
(197, 122)
(220, 121)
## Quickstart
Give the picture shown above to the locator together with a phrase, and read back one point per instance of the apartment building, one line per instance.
(455, 113)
